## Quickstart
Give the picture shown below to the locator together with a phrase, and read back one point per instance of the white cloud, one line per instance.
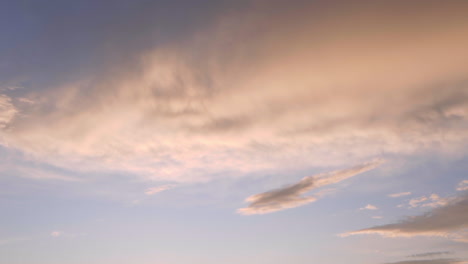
(377, 217)
(395, 195)
(291, 196)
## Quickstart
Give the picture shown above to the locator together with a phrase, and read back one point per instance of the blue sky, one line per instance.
(234, 132)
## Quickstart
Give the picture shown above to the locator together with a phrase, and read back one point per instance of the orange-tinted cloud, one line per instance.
(317, 84)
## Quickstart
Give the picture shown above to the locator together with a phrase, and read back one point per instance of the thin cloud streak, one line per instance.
(401, 194)
(430, 261)
(369, 207)
(158, 189)
(430, 254)
(291, 196)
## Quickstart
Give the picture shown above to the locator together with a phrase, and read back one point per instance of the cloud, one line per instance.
(416, 201)
(395, 195)
(436, 201)
(291, 196)
(377, 217)
(318, 85)
(7, 111)
(430, 261)
(462, 186)
(430, 254)
(448, 221)
(433, 200)
(154, 190)
(369, 207)
(55, 233)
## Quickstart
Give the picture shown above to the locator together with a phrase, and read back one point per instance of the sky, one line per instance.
(250, 131)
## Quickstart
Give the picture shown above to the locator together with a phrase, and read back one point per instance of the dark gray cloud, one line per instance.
(291, 196)
(449, 221)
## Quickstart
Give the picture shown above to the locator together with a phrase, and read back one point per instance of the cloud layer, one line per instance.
(291, 196)
(316, 84)
(450, 220)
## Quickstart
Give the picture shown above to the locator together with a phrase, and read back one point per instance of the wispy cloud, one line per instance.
(154, 190)
(415, 202)
(395, 195)
(448, 221)
(462, 186)
(430, 254)
(291, 196)
(433, 200)
(430, 261)
(7, 110)
(369, 207)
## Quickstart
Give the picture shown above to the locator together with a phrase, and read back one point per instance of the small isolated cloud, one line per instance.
(430, 254)
(369, 207)
(377, 217)
(291, 196)
(430, 261)
(448, 221)
(462, 186)
(395, 195)
(55, 233)
(158, 189)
